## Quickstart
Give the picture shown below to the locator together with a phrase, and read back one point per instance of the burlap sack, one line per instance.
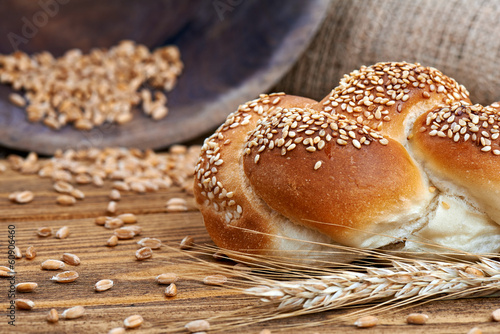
(459, 37)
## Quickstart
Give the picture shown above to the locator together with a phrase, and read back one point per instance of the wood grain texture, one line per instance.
(135, 290)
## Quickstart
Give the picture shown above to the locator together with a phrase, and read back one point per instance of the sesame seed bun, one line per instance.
(367, 167)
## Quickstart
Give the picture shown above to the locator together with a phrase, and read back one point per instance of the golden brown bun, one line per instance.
(373, 188)
(342, 171)
(222, 192)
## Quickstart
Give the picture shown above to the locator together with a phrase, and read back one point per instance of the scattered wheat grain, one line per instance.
(67, 200)
(113, 223)
(52, 265)
(65, 277)
(77, 193)
(496, 315)
(152, 243)
(30, 253)
(24, 304)
(53, 316)
(23, 197)
(171, 290)
(63, 187)
(417, 318)
(124, 233)
(62, 233)
(128, 218)
(17, 100)
(111, 208)
(44, 231)
(136, 229)
(366, 321)
(17, 253)
(167, 278)
(103, 285)
(114, 195)
(215, 280)
(197, 326)
(26, 287)
(143, 253)
(101, 220)
(133, 321)
(70, 259)
(73, 312)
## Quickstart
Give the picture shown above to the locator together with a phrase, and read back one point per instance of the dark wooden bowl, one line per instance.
(231, 54)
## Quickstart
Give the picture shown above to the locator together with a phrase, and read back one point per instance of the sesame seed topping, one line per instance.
(460, 122)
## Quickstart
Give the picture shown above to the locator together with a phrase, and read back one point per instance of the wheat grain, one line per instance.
(136, 229)
(77, 193)
(65, 200)
(152, 243)
(215, 280)
(128, 218)
(63, 187)
(26, 287)
(112, 241)
(417, 318)
(17, 253)
(171, 290)
(103, 285)
(475, 330)
(52, 265)
(167, 278)
(197, 326)
(496, 315)
(70, 259)
(30, 252)
(24, 304)
(44, 231)
(101, 220)
(65, 277)
(114, 195)
(111, 208)
(143, 253)
(366, 322)
(124, 233)
(62, 233)
(17, 100)
(73, 312)
(117, 330)
(113, 223)
(133, 321)
(53, 316)
(22, 197)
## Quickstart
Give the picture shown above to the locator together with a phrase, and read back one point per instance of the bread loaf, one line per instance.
(396, 154)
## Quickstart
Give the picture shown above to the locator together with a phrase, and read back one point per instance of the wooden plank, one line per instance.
(135, 290)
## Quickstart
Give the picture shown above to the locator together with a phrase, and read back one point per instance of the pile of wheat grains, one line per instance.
(87, 90)
(128, 170)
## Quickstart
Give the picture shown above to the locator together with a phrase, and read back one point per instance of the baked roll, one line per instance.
(394, 156)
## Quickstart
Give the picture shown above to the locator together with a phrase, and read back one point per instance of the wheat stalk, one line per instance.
(402, 280)
(291, 289)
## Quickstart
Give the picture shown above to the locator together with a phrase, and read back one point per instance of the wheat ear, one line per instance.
(403, 280)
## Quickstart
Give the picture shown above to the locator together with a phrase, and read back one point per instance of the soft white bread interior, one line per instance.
(383, 159)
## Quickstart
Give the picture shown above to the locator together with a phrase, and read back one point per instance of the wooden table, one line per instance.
(135, 290)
